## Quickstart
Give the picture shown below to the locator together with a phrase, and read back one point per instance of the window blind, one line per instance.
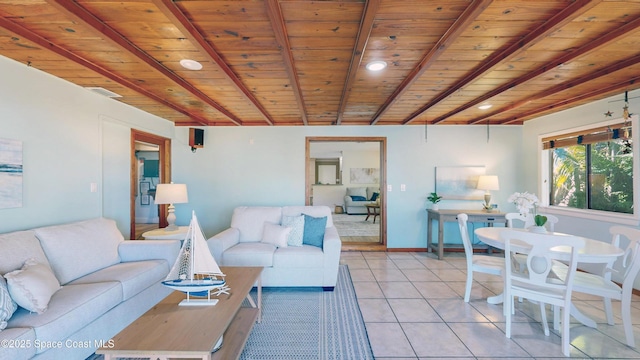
(590, 136)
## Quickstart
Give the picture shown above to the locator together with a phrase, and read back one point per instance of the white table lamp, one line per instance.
(171, 194)
(488, 183)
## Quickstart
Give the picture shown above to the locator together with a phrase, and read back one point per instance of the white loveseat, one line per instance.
(357, 197)
(105, 283)
(307, 265)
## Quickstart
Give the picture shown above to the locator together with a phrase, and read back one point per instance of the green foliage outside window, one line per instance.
(595, 176)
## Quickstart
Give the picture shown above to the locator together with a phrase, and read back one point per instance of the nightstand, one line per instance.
(161, 234)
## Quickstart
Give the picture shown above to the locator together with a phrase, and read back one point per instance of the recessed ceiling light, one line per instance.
(485, 106)
(376, 65)
(190, 64)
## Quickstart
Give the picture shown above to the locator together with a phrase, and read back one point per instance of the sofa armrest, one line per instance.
(331, 246)
(220, 242)
(138, 250)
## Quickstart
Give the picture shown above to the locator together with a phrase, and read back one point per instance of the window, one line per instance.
(592, 169)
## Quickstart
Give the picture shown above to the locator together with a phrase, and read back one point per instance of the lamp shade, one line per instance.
(488, 182)
(171, 194)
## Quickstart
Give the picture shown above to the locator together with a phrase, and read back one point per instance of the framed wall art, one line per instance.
(10, 173)
(459, 182)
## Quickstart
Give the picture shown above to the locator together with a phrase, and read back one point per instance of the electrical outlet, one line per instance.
(94, 187)
(389, 188)
(403, 187)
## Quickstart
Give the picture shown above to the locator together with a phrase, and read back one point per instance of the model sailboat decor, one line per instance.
(196, 272)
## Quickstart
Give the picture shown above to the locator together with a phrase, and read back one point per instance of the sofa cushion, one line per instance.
(357, 191)
(249, 254)
(71, 308)
(7, 305)
(306, 256)
(134, 277)
(358, 198)
(250, 221)
(80, 248)
(317, 211)
(32, 286)
(18, 336)
(275, 234)
(17, 247)
(314, 230)
(296, 223)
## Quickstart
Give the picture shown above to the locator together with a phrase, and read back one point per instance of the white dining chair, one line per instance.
(602, 285)
(476, 263)
(523, 220)
(535, 284)
(552, 220)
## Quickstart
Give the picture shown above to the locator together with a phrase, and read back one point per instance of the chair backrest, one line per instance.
(630, 262)
(525, 220)
(540, 256)
(464, 234)
(552, 220)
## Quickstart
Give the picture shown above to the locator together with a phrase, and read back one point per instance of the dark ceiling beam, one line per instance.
(591, 96)
(48, 45)
(583, 50)
(461, 24)
(179, 20)
(279, 28)
(364, 32)
(79, 14)
(557, 21)
(561, 87)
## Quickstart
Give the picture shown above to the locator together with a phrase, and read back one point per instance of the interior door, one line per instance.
(164, 174)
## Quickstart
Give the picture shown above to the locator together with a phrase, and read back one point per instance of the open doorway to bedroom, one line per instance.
(348, 174)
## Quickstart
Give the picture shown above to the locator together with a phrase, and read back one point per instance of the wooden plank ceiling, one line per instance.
(296, 62)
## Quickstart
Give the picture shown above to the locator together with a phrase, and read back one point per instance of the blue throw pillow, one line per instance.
(314, 230)
(374, 197)
(358, 198)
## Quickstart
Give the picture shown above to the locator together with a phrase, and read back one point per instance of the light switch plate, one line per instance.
(403, 187)
(389, 188)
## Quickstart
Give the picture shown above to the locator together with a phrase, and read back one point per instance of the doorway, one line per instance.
(358, 163)
(150, 166)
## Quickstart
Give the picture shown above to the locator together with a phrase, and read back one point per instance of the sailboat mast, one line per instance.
(192, 258)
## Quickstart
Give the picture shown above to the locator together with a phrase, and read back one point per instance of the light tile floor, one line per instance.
(413, 308)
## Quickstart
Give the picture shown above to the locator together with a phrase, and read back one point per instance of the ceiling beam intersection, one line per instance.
(606, 91)
(364, 32)
(179, 20)
(560, 19)
(20, 31)
(279, 28)
(462, 23)
(564, 86)
(82, 16)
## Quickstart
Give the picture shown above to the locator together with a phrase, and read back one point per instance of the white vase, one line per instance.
(434, 207)
(538, 229)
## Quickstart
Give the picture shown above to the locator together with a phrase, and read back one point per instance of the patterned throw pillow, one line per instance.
(314, 228)
(7, 305)
(296, 223)
(32, 286)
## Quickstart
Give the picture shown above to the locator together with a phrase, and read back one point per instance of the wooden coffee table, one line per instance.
(171, 331)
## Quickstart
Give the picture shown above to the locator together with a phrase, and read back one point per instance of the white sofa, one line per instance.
(353, 206)
(105, 284)
(307, 265)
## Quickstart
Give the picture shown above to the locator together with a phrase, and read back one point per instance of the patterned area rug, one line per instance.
(308, 323)
(355, 225)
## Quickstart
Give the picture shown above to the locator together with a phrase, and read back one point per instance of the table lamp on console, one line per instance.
(171, 194)
(488, 183)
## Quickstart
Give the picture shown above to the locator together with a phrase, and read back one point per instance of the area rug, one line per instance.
(308, 323)
(355, 225)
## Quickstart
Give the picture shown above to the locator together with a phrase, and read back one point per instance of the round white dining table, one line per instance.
(593, 252)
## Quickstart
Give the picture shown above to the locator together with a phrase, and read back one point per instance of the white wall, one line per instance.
(71, 138)
(265, 166)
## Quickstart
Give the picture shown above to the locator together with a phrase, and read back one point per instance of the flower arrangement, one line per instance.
(525, 202)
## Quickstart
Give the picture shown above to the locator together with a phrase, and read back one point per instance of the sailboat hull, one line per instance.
(194, 287)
